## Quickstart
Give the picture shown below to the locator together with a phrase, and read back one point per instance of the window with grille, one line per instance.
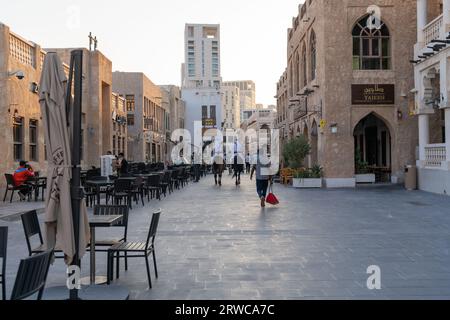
(18, 138)
(130, 103)
(371, 45)
(33, 140)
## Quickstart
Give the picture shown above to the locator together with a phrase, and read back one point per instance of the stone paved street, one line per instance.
(317, 244)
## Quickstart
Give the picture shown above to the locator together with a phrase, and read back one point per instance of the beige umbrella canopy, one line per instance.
(58, 211)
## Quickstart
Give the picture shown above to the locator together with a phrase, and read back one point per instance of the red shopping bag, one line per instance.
(271, 198)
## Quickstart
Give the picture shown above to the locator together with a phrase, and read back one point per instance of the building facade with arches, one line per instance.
(432, 90)
(347, 87)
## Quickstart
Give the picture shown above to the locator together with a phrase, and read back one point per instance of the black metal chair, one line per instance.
(90, 194)
(102, 210)
(3, 251)
(183, 176)
(165, 183)
(10, 186)
(174, 179)
(32, 276)
(153, 186)
(137, 190)
(136, 250)
(32, 229)
(121, 191)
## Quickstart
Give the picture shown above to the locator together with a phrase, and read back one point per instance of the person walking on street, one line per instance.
(20, 176)
(218, 168)
(238, 165)
(262, 180)
(247, 163)
(197, 160)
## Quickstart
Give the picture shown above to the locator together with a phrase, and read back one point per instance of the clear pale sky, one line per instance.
(148, 35)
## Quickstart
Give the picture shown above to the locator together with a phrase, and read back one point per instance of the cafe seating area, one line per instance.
(109, 201)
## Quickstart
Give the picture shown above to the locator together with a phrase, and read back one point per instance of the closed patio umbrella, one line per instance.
(60, 225)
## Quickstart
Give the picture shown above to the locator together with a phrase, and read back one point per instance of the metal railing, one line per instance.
(432, 30)
(435, 155)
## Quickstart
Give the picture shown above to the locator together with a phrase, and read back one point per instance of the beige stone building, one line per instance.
(347, 86)
(22, 135)
(119, 125)
(21, 128)
(97, 125)
(432, 72)
(176, 107)
(146, 116)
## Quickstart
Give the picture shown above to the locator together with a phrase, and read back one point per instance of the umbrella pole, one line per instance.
(76, 69)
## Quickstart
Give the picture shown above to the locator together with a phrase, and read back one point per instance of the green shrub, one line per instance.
(295, 151)
(361, 167)
(317, 172)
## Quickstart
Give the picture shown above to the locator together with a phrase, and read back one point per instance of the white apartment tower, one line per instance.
(231, 110)
(201, 77)
(247, 89)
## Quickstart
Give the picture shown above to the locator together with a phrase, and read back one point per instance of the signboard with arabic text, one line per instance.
(373, 94)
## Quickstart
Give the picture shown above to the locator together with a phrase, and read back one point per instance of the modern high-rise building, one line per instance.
(231, 110)
(201, 78)
(247, 89)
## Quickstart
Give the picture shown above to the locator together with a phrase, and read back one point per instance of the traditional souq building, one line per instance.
(147, 116)
(21, 127)
(432, 70)
(347, 87)
(104, 125)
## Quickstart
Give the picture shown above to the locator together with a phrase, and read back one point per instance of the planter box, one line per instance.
(365, 178)
(307, 183)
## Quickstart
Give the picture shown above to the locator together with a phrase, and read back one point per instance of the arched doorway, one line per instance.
(373, 147)
(314, 144)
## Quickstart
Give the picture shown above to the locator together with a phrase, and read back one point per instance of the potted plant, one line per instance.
(308, 178)
(362, 170)
(295, 152)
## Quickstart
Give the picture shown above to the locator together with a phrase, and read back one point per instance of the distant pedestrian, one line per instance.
(218, 168)
(197, 160)
(122, 166)
(247, 163)
(262, 180)
(238, 164)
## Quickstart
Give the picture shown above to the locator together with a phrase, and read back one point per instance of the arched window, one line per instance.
(371, 45)
(304, 72)
(297, 73)
(313, 55)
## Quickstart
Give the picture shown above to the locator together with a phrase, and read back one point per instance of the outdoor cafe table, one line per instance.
(99, 222)
(35, 182)
(98, 185)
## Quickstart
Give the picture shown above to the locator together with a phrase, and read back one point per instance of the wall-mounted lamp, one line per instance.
(34, 87)
(334, 128)
(16, 115)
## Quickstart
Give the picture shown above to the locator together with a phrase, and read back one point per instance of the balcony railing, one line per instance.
(21, 50)
(432, 30)
(435, 155)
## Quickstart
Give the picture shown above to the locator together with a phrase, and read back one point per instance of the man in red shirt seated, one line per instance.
(21, 176)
